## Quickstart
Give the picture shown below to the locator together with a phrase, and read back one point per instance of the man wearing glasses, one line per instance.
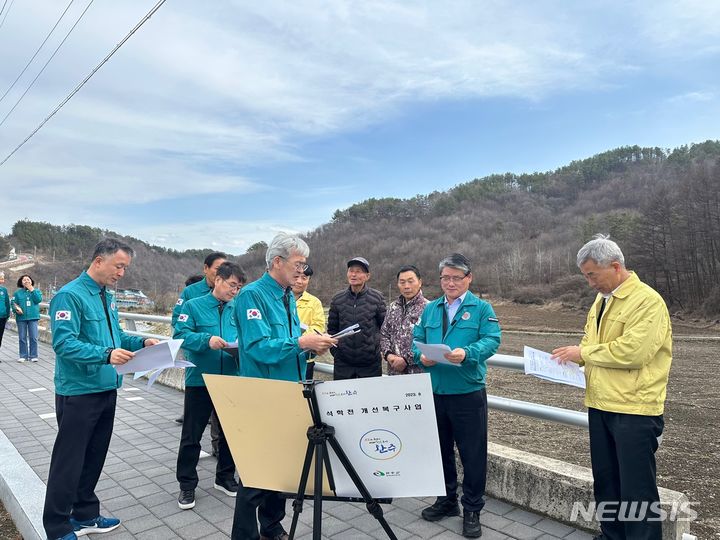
(271, 347)
(207, 325)
(469, 327)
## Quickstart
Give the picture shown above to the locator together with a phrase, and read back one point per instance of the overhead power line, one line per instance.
(36, 52)
(7, 12)
(3, 7)
(86, 79)
(46, 64)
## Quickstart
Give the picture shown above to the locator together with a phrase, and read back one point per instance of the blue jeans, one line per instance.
(28, 335)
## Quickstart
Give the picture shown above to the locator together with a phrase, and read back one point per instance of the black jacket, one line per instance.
(366, 308)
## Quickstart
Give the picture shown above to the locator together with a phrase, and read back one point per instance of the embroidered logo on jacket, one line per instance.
(63, 316)
(254, 313)
(183, 317)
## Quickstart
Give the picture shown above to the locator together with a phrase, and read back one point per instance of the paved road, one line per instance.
(138, 484)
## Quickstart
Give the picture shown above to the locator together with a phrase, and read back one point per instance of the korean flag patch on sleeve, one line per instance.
(179, 302)
(63, 315)
(254, 313)
(183, 317)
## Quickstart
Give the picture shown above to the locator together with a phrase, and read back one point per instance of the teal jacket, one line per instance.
(29, 302)
(267, 341)
(194, 290)
(81, 336)
(198, 321)
(4, 303)
(474, 328)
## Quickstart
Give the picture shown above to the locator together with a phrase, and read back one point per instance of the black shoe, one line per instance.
(441, 509)
(186, 499)
(228, 487)
(180, 420)
(282, 536)
(471, 525)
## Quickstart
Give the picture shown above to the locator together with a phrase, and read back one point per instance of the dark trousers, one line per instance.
(343, 371)
(622, 452)
(462, 420)
(85, 425)
(253, 505)
(214, 432)
(197, 409)
(3, 321)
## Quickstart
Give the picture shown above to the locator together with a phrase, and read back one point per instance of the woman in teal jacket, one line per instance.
(4, 306)
(26, 306)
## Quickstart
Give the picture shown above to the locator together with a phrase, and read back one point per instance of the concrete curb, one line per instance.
(550, 487)
(22, 492)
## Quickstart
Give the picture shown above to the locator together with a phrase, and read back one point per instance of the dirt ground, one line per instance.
(689, 457)
(7, 527)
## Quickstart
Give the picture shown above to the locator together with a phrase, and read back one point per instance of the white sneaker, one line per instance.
(33, 359)
(21, 360)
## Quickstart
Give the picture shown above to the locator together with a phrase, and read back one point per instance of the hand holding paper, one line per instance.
(155, 358)
(541, 365)
(435, 352)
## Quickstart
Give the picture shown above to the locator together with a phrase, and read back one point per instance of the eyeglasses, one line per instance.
(452, 279)
(234, 287)
(299, 267)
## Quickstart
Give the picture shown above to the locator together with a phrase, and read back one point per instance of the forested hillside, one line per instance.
(61, 253)
(521, 232)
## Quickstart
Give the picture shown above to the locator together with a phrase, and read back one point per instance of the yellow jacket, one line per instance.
(310, 312)
(627, 360)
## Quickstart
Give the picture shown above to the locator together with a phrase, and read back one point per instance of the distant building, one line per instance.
(129, 298)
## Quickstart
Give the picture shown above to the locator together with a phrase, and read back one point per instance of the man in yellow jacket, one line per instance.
(626, 351)
(310, 312)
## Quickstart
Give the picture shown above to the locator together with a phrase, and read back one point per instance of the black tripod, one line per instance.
(319, 435)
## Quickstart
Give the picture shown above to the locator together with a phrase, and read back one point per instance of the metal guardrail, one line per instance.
(503, 361)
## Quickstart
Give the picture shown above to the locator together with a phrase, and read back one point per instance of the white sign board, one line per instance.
(387, 428)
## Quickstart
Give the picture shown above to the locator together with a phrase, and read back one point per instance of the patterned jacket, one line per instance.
(396, 334)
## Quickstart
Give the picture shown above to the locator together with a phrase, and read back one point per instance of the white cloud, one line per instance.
(692, 97)
(231, 236)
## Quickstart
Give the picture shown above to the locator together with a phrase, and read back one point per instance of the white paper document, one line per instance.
(387, 428)
(155, 359)
(435, 352)
(349, 331)
(539, 364)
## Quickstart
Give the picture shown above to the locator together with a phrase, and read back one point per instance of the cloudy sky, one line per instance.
(219, 123)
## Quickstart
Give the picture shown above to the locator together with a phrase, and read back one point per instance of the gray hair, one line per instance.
(110, 246)
(284, 245)
(457, 261)
(602, 250)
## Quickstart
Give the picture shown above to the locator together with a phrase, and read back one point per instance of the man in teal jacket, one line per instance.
(469, 327)
(4, 306)
(207, 325)
(202, 287)
(88, 343)
(271, 347)
(195, 290)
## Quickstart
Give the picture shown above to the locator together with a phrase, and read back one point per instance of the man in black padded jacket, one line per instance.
(357, 355)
